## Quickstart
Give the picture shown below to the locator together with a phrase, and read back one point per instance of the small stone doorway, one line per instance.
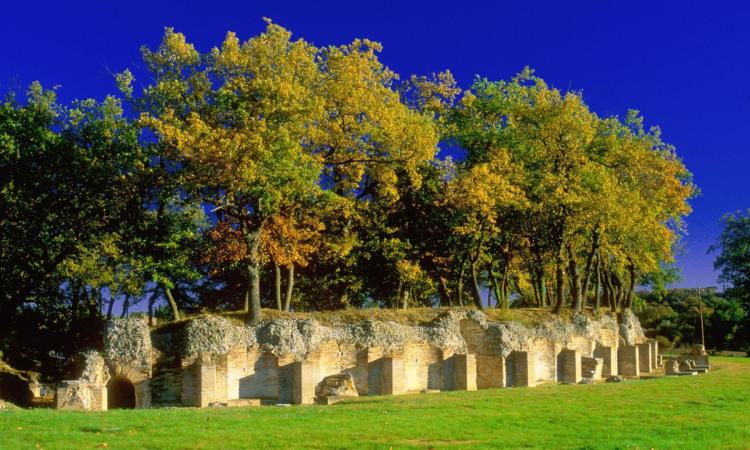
(120, 394)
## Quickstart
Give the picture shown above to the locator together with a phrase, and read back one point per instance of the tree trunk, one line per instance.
(277, 270)
(535, 289)
(618, 290)
(477, 291)
(631, 286)
(560, 280)
(112, 298)
(404, 298)
(345, 301)
(445, 297)
(75, 298)
(172, 303)
(505, 287)
(496, 290)
(252, 269)
(597, 282)
(589, 261)
(151, 301)
(575, 281)
(289, 289)
(460, 287)
(125, 306)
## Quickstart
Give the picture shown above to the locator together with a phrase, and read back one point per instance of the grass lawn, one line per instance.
(708, 411)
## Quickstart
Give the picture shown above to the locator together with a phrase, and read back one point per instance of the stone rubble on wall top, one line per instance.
(630, 329)
(217, 335)
(128, 341)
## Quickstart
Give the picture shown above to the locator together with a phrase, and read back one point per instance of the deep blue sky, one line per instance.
(684, 64)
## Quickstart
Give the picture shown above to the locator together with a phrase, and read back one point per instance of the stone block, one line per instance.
(207, 383)
(339, 385)
(465, 372)
(654, 353)
(523, 368)
(628, 361)
(591, 368)
(393, 375)
(609, 360)
(644, 358)
(386, 375)
(491, 372)
(303, 383)
(569, 366)
(672, 367)
(81, 396)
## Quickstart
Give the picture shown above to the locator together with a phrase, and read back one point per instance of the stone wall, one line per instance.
(210, 360)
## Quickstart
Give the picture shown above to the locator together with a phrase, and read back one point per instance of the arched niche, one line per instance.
(120, 393)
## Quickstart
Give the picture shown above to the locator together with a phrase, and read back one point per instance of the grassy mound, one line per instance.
(708, 411)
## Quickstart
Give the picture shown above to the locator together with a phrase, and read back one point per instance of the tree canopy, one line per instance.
(272, 172)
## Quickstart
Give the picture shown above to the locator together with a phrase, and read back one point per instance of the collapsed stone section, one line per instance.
(215, 360)
(89, 391)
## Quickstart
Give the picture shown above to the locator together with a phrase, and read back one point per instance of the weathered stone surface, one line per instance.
(644, 358)
(341, 385)
(630, 329)
(672, 367)
(591, 368)
(213, 359)
(464, 372)
(628, 360)
(94, 371)
(303, 383)
(89, 391)
(523, 368)
(609, 360)
(128, 342)
(215, 335)
(75, 395)
(569, 366)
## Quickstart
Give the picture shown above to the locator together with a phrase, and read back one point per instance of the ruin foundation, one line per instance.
(213, 360)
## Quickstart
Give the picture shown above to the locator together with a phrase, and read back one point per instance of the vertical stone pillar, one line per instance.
(392, 374)
(142, 394)
(524, 368)
(206, 383)
(569, 366)
(628, 360)
(491, 372)
(465, 372)
(303, 383)
(644, 357)
(374, 370)
(99, 400)
(609, 355)
(654, 353)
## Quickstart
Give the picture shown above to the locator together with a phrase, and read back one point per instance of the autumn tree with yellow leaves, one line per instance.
(271, 172)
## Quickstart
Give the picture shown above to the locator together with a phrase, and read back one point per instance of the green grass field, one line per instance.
(708, 411)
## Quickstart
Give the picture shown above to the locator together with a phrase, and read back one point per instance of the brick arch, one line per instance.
(120, 393)
(137, 378)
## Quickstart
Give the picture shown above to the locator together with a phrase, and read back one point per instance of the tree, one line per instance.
(65, 186)
(241, 146)
(733, 260)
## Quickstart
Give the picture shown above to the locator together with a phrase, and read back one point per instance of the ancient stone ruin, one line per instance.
(219, 361)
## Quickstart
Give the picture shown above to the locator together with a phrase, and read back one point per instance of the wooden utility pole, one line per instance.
(700, 309)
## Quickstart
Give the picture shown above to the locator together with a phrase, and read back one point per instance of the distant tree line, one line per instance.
(674, 317)
(274, 173)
